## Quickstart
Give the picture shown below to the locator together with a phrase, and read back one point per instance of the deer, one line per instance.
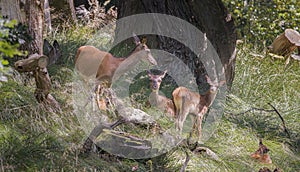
(189, 102)
(89, 60)
(262, 153)
(52, 51)
(110, 64)
(161, 102)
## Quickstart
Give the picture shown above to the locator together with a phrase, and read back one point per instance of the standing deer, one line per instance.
(110, 64)
(187, 102)
(89, 60)
(159, 101)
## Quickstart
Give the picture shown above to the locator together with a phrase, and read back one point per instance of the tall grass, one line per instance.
(33, 138)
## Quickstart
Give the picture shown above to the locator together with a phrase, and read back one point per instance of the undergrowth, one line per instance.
(33, 138)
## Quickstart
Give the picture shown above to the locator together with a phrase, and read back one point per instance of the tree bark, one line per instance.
(13, 9)
(47, 16)
(73, 13)
(34, 10)
(209, 16)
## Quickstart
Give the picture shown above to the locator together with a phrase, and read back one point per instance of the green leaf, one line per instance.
(11, 24)
(5, 62)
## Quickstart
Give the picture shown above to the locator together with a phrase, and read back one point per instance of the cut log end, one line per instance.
(285, 43)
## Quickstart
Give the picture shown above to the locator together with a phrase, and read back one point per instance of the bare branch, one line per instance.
(268, 110)
(281, 118)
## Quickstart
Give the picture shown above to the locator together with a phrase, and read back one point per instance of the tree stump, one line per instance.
(37, 64)
(285, 43)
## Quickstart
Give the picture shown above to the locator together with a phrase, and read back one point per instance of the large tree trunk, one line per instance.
(13, 9)
(32, 14)
(209, 16)
(35, 18)
(47, 16)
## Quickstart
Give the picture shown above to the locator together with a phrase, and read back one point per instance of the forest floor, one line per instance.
(33, 138)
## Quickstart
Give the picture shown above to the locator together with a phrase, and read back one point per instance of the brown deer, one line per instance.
(89, 61)
(110, 64)
(187, 101)
(262, 153)
(161, 102)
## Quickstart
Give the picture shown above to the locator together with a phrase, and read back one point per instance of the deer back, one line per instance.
(88, 59)
(185, 98)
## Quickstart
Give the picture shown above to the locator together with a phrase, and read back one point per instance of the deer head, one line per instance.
(155, 80)
(52, 51)
(141, 45)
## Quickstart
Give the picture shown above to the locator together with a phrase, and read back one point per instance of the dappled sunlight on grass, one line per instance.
(45, 140)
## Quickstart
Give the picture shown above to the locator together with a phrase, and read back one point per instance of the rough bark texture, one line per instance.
(37, 65)
(35, 18)
(31, 13)
(210, 16)
(13, 9)
(47, 16)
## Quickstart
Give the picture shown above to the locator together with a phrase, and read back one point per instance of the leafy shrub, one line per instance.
(8, 45)
(261, 21)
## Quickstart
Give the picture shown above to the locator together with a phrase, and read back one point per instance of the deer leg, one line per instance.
(194, 122)
(199, 121)
(199, 125)
(178, 112)
(180, 115)
(182, 118)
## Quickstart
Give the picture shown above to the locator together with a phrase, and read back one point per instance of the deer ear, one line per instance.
(144, 40)
(208, 79)
(164, 73)
(56, 45)
(149, 73)
(43, 62)
(47, 47)
(136, 39)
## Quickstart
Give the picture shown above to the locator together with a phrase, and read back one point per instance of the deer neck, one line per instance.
(208, 98)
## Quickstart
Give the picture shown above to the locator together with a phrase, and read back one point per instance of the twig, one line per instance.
(268, 110)
(187, 159)
(283, 122)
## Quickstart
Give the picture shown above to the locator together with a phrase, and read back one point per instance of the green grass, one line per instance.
(33, 138)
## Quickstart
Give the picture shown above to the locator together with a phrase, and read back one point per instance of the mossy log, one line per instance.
(285, 43)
